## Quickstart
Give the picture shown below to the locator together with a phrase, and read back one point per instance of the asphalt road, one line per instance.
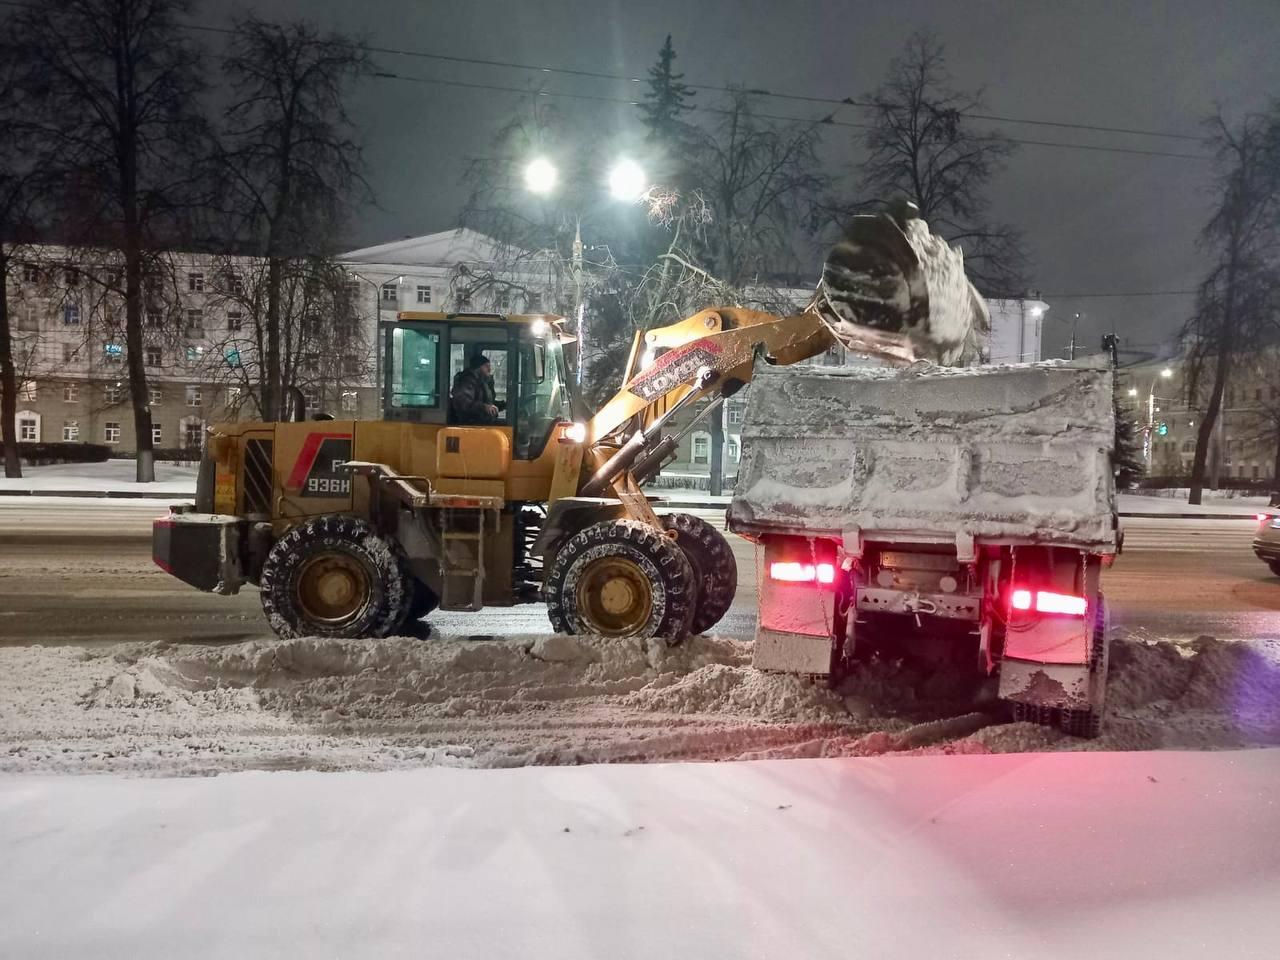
(80, 572)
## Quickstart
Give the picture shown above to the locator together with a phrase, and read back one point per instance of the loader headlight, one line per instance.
(575, 432)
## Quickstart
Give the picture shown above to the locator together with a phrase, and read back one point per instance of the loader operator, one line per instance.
(472, 399)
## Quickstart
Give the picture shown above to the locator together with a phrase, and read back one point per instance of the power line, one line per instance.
(828, 120)
(1134, 293)
(716, 88)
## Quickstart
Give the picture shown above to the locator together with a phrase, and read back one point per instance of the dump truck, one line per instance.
(960, 515)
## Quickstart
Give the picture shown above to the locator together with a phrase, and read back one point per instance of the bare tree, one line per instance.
(923, 146)
(321, 348)
(116, 89)
(292, 161)
(761, 180)
(18, 168)
(1240, 296)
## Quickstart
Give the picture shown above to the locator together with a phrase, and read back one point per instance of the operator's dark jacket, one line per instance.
(472, 391)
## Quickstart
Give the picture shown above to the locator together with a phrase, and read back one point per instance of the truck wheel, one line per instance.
(715, 571)
(620, 578)
(334, 576)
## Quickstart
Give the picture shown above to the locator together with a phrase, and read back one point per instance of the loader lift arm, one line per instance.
(710, 353)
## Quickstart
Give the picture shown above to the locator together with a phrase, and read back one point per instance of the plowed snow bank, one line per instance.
(336, 704)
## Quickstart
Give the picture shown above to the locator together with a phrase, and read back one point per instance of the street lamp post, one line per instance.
(1148, 442)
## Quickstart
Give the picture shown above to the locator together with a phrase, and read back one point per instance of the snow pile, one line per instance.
(1015, 451)
(539, 699)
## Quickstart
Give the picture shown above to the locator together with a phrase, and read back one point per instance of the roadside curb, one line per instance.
(101, 494)
(678, 504)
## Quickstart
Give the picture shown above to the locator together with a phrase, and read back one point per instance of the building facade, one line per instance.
(1243, 446)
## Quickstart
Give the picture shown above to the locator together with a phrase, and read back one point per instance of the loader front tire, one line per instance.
(334, 576)
(620, 578)
(715, 571)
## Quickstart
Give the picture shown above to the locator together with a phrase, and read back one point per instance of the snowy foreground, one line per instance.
(186, 709)
(1126, 856)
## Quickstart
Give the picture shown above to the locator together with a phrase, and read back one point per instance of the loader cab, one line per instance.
(423, 353)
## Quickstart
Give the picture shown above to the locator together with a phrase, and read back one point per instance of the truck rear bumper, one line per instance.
(202, 549)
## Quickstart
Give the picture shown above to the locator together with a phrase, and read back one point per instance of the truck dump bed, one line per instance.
(1008, 454)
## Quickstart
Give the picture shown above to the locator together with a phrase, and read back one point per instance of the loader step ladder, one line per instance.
(464, 525)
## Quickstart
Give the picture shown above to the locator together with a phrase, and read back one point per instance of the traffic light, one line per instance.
(1163, 428)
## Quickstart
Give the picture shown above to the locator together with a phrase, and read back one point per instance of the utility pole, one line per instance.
(715, 482)
(578, 312)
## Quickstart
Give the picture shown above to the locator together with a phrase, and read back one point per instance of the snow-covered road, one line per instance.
(1105, 856)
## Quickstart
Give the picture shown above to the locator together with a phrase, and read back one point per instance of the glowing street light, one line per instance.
(627, 180)
(1166, 373)
(540, 175)
(1133, 391)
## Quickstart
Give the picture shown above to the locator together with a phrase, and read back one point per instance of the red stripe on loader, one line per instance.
(307, 457)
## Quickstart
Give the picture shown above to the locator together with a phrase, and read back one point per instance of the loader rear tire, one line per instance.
(334, 576)
(715, 571)
(620, 578)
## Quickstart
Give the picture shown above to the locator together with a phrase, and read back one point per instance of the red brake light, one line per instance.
(1047, 602)
(793, 572)
(1261, 517)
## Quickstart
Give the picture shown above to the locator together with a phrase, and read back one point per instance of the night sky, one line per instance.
(1096, 222)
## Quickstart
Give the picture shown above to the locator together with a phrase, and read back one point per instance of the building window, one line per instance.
(157, 435)
(28, 317)
(155, 396)
(71, 277)
(424, 293)
(1188, 446)
(195, 282)
(311, 396)
(1257, 394)
(71, 315)
(30, 273)
(27, 391)
(731, 449)
(111, 431)
(735, 413)
(391, 292)
(70, 430)
(154, 357)
(534, 300)
(70, 392)
(350, 365)
(701, 448)
(349, 401)
(68, 353)
(195, 323)
(194, 354)
(195, 396)
(111, 394)
(504, 300)
(192, 433)
(232, 356)
(235, 283)
(235, 320)
(155, 318)
(28, 428)
(112, 353)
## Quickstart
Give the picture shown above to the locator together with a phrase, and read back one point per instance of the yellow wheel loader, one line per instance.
(358, 528)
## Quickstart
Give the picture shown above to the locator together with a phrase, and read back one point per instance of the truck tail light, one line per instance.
(792, 572)
(1045, 601)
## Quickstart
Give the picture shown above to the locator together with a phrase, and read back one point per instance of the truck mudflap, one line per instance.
(202, 549)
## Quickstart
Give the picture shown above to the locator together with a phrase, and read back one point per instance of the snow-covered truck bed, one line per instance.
(961, 511)
(1002, 453)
